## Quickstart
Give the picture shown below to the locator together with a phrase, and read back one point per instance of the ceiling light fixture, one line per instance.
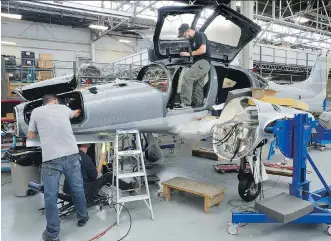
(99, 27)
(8, 43)
(8, 15)
(124, 41)
(301, 19)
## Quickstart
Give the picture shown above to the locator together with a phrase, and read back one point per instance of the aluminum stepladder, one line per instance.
(141, 172)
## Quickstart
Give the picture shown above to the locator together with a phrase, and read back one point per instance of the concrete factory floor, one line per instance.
(182, 218)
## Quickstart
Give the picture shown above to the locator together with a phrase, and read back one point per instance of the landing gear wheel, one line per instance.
(328, 230)
(248, 190)
(233, 228)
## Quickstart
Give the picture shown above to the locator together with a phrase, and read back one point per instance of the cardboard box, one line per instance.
(10, 115)
(11, 87)
(258, 93)
(48, 64)
(41, 64)
(44, 75)
(45, 57)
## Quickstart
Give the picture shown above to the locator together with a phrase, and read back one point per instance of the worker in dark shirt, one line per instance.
(193, 81)
(90, 174)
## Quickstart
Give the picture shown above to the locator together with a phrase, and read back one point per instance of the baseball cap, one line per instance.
(184, 27)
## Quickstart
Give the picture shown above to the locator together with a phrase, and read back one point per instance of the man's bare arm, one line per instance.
(31, 134)
(101, 161)
(200, 50)
(77, 112)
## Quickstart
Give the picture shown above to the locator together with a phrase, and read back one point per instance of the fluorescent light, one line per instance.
(8, 15)
(100, 27)
(124, 41)
(8, 43)
(301, 19)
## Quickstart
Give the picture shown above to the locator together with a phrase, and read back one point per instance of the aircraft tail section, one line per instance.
(312, 86)
(318, 77)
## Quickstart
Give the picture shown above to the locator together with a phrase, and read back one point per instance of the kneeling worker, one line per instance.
(193, 80)
(90, 174)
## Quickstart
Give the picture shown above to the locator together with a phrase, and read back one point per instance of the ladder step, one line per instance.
(133, 198)
(131, 174)
(129, 153)
(129, 131)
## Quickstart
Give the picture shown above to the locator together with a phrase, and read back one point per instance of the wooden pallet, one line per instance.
(205, 153)
(212, 194)
(279, 171)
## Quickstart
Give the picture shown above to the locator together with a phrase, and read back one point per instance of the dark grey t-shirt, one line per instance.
(52, 122)
(198, 39)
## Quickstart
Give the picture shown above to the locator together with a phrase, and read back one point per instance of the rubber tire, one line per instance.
(244, 183)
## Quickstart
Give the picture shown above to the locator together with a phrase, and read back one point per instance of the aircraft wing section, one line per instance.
(80, 138)
(197, 129)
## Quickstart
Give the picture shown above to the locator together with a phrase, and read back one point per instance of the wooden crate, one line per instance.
(11, 86)
(48, 64)
(44, 75)
(46, 57)
(212, 194)
(41, 64)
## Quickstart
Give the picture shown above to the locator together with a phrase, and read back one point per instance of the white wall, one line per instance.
(65, 43)
(108, 49)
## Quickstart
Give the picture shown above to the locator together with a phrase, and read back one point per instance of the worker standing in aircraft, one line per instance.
(193, 81)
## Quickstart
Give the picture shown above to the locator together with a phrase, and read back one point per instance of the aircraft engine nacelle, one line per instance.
(242, 126)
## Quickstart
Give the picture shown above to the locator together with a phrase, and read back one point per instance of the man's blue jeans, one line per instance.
(51, 172)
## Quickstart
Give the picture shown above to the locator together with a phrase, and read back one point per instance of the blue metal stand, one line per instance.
(321, 138)
(292, 138)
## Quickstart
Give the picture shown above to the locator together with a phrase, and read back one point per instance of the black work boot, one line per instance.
(47, 237)
(82, 221)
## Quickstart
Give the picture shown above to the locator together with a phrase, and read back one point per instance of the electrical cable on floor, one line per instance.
(107, 229)
(273, 185)
(243, 207)
(263, 191)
